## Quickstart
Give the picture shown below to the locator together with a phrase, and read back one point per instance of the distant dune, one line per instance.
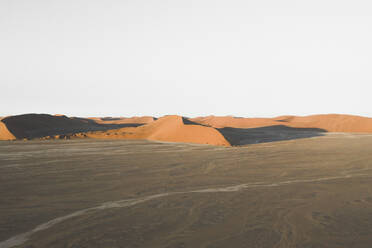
(169, 129)
(213, 130)
(329, 122)
(123, 120)
(30, 126)
(237, 122)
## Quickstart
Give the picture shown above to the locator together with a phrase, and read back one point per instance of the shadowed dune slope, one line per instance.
(39, 125)
(169, 129)
(31, 126)
(329, 123)
(245, 136)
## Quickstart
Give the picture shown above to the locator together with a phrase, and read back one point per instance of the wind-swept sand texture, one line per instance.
(129, 193)
(23, 237)
(169, 129)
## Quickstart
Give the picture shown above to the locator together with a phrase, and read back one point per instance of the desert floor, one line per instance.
(314, 192)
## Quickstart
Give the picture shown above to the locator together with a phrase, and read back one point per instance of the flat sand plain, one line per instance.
(314, 192)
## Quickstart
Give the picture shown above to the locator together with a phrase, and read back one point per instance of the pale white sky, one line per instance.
(202, 57)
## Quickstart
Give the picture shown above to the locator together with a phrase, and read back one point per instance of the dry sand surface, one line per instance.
(5, 134)
(314, 192)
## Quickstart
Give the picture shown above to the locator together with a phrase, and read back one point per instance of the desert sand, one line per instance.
(236, 122)
(31, 126)
(213, 130)
(123, 120)
(169, 129)
(329, 122)
(129, 193)
(134, 182)
(5, 134)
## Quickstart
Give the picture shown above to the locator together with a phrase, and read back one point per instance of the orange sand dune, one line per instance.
(5, 134)
(214, 130)
(169, 129)
(330, 122)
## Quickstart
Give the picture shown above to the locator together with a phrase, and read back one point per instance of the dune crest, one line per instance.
(124, 120)
(236, 122)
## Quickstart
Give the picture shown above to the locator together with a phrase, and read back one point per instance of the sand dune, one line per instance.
(329, 122)
(214, 130)
(237, 122)
(5, 134)
(39, 125)
(168, 129)
(30, 126)
(332, 123)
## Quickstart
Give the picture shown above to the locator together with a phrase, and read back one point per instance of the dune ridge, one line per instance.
(169, 129)
(31, 126)
(236, 122)
(123, 120)
(328, 122)
(333, 123)
(213, 130)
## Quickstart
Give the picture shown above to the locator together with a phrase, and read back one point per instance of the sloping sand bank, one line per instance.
(5, 134)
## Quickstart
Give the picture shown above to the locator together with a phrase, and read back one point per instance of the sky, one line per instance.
(192, 58)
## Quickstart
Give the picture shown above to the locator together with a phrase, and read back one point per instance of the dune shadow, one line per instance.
(110, 118)
(246, 136)
(187, 121)
(31, 126)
